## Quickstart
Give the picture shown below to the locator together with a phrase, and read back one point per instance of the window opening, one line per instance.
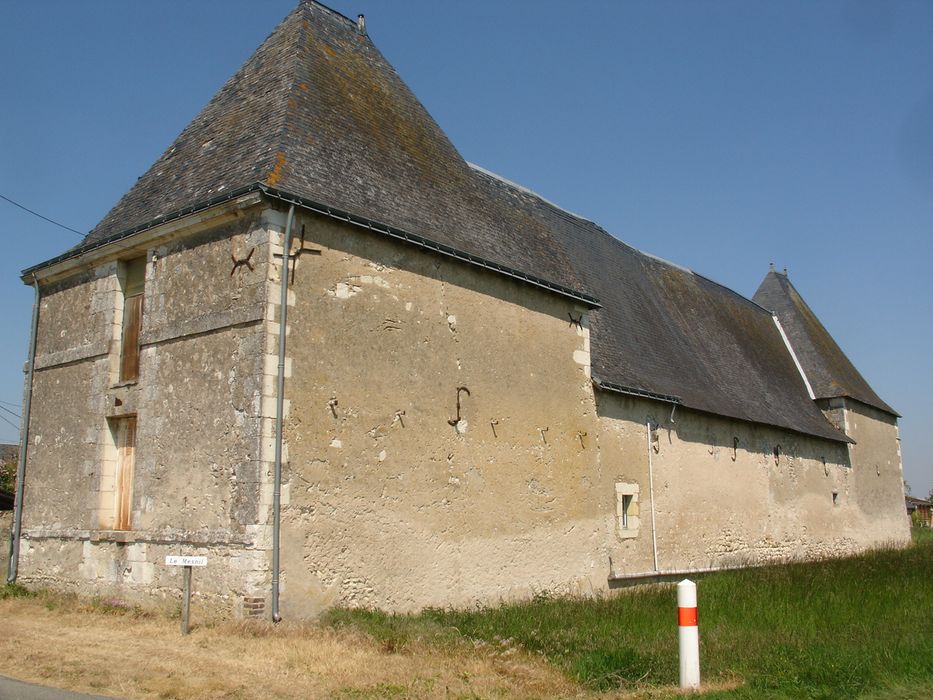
(626, 504)
(133, 288)
(116, 486)
(627, 509)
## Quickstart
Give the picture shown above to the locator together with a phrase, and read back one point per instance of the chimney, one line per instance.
(361, 24)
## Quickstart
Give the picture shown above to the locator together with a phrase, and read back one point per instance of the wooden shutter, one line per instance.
(132, 322)
(126, 457)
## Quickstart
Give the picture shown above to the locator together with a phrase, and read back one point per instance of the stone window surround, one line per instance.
(627, 520)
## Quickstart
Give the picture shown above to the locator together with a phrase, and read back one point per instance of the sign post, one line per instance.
(186, 601)
(187, 562)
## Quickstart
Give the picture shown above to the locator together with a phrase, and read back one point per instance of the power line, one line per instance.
(35, 213)
(10, 403)
(6, 420)
(3, 408)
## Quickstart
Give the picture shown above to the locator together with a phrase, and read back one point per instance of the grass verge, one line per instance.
(104, 648)
(856, 627)
(853, 628)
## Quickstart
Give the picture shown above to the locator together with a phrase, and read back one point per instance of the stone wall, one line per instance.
(443, 442)
(197, 402)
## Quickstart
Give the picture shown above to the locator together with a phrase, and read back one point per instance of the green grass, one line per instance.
(14, 590)
(856, 627)
(923, 535)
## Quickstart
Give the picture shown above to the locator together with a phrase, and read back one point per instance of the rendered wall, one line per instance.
(388, 499)
(389, 504)
(877, 469)
(198, 402)
(770, 498)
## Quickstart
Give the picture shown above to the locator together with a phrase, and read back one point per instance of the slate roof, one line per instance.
(828, 370)
(318, 114)
(663, 329)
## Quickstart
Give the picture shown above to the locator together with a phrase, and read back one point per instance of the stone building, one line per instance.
(485, 396)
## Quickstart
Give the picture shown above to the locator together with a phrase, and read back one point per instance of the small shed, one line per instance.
(924, 510)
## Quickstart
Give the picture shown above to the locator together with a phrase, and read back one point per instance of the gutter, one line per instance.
(339, 215)
(641, 393)
(83, 248)
(427, 244)
(675, 401)
(17, 529)
(279, 411)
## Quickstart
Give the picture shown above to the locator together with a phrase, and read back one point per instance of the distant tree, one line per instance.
(906, 487)
(930, 495)
(8, 475)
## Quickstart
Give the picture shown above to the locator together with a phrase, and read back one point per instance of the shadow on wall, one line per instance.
(722, 436)
(379, 250)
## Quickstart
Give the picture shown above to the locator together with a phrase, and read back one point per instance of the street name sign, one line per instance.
(174, 560)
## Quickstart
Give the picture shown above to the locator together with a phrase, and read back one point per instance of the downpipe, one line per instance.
(16, 531)
(279, 411)
(654, 529)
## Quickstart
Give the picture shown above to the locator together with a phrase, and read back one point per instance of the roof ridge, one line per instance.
(329, 9)
(526, 190)
(557, 208)
(732, 291)
(275, 172)
(617, 241)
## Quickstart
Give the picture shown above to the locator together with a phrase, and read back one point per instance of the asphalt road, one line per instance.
(17, 690)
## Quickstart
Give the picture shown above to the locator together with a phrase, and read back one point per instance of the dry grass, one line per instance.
(87, 648)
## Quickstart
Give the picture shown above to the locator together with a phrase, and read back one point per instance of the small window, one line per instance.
(627, 509)
(133, 289)
(626, 505)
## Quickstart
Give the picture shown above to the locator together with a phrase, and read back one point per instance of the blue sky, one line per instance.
(720, 135)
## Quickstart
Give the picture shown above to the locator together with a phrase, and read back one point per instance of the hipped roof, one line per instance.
(831, 374)
(319, 114)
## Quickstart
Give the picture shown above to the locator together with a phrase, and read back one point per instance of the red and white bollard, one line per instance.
(688, 635)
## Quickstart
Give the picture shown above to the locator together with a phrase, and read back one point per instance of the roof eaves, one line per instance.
(334, 213)
(849, 397)
(677, 401)
(427, 244)
(81, 249)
